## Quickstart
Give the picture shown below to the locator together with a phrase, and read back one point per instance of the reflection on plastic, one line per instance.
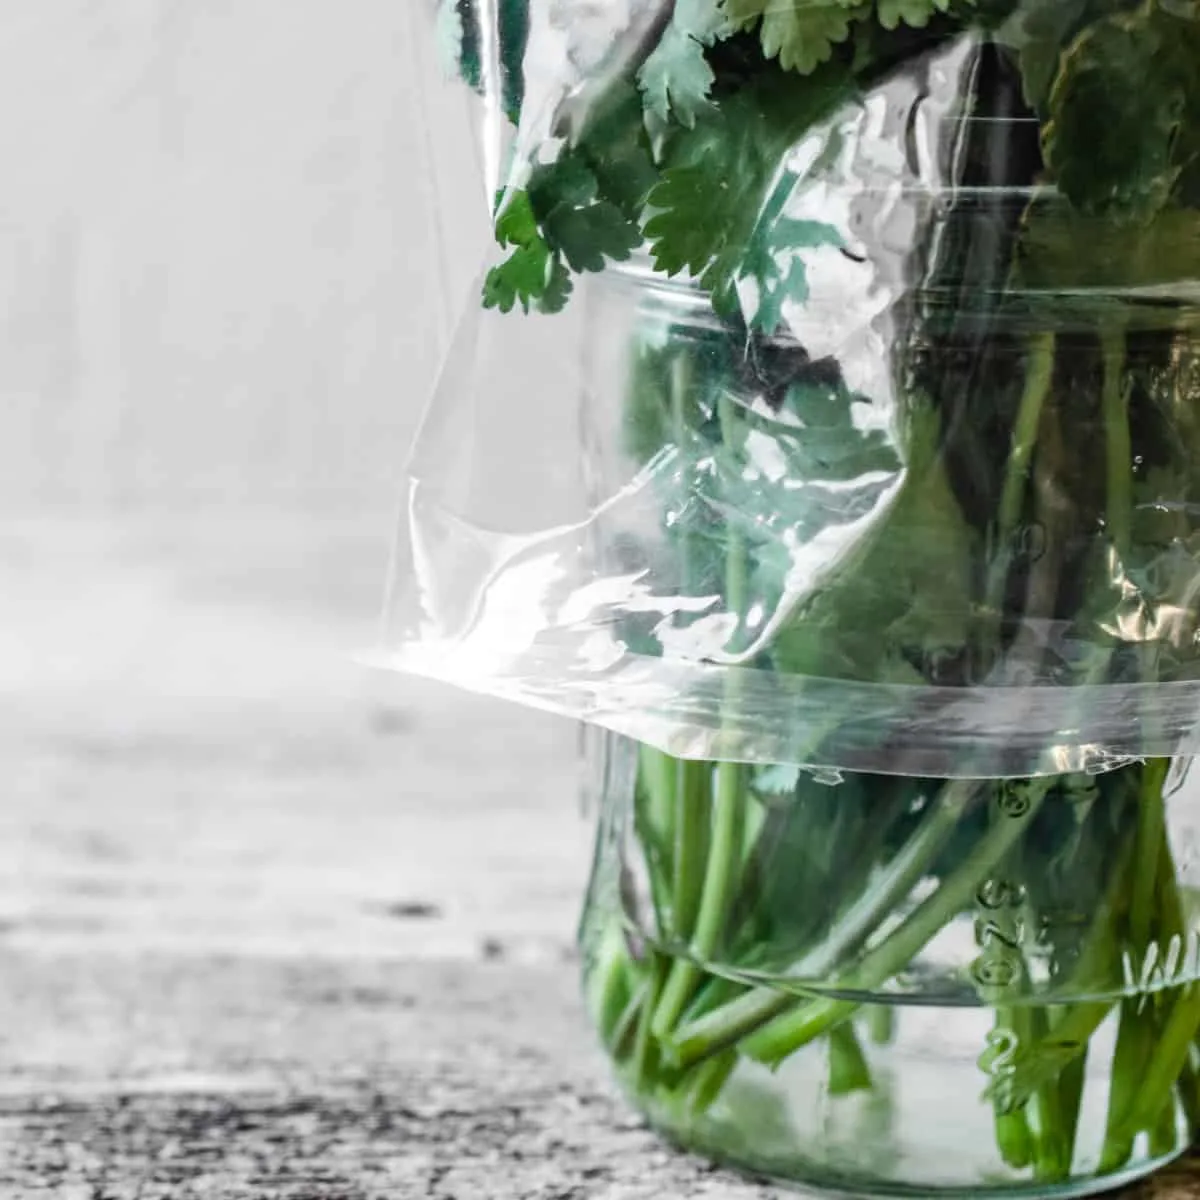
(804, 548)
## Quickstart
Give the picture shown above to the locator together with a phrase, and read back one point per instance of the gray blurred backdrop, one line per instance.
(233, 235)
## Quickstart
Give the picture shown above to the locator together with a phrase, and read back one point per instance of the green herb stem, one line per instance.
(737, 1019)
(1070, 1088)
(719, 881)
(1150, 844)
(706, 1083)
(655, 801)
(621, 1040)
(1053, 1144)
(1158, 1075)
(787, 1033)
(613, 995)
(881, 1024)
(1038, 379)
(692, 803)
(693, 791)
(1045, 1060)
(1118, 449)
(1187, 1087)
(729, 813)
(1014, 1137)
(848, 1069)
(645, 1047)
(1135, 1043)
(1148, 1058)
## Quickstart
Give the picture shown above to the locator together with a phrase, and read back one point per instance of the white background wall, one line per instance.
(222, 300)
(220, 277)
(232, 233)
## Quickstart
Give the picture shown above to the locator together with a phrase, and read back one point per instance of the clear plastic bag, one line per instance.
(903, 477)
(847, 458)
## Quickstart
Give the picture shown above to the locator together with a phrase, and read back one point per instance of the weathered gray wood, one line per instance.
(168, 1077)
(225, 1078)
(271, 930)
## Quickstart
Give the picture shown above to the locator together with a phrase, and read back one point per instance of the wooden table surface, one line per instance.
(271, 931)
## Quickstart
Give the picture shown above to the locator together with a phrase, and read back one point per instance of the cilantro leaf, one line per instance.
(617, 151)
(587, 235)
(1114, 113)
(516, 224)
(775, 288)
(717, 210)
(801, 34)
(559, 221)
(558, 288)
(676, 78)
(705, 20)
(688, 230)
(578, 212)
(570, 180)
(524, 277)
(914, 13)
(907, 589)
(782, 239)
(521, 279)
(1039, 31)
(577, 222)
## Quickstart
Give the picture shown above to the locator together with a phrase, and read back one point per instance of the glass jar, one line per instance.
(911, 906)
(894, 985)
(880, 568)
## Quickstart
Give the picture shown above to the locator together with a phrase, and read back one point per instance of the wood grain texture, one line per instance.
(242, 1079)
(271, 929)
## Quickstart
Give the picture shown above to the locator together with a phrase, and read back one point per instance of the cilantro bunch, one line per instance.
(1045, 529)
(682, 152)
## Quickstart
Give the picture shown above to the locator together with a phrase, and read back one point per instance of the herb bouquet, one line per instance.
(893, 559)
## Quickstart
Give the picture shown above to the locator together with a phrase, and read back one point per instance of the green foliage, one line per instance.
(915, 13)
(1114, 112)
(904, 594)
(1031, 504)
(676, 78)
(460, 44)
(801, 34)
(685, 152)
(526, 276)
(711, 216)
(1039, 31)
(1064, 251)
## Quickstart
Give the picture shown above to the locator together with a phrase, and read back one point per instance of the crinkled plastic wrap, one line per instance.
(942, 519)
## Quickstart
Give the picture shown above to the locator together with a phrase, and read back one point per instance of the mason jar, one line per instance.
(897, 893)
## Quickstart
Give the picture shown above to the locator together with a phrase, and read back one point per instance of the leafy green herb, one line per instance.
(1115, 115)
(800, 34)
(915, 13)
(461, 45)
(676, 77)
(1030, 514)
(532, 273)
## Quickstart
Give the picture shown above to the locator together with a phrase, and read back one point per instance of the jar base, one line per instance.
(810, 1178)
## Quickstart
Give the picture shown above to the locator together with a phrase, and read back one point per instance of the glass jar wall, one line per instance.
(891, 985)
